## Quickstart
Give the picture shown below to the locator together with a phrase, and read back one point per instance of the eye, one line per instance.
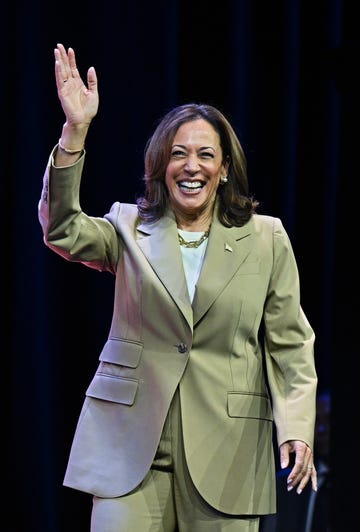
(178, 153)
(207, 155)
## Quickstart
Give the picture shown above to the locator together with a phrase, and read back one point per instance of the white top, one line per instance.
(192, 259)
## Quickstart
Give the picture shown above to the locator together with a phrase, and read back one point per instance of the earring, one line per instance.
(223, 180)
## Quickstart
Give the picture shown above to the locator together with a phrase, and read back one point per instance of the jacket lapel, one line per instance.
(226, 250)
(161, 248)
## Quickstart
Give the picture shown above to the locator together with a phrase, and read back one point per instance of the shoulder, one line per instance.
(264, 222)
(271, 229)
(123, 209)
(122, 213)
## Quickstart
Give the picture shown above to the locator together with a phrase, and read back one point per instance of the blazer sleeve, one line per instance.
(289, 347)
(67, 230)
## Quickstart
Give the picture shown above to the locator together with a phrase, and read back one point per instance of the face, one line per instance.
(194, 169)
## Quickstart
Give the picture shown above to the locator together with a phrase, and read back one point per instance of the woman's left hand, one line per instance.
(303, 468)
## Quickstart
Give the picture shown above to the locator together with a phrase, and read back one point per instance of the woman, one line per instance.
(176, 428)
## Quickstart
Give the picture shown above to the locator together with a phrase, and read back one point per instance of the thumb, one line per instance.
(284, 456)
(92, 79)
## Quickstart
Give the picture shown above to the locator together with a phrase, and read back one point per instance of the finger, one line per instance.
(60, 73)
(284, 456)
(62, 55)
(300, 471)
(73, 70)
(314, 479)
(303, 459)
(61, 48)
(294, 477)
(62, 68)
(92, 79)
(306, 474)
(302, 476)
(307, 470)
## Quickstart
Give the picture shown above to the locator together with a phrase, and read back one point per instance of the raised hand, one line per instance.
(79, 102)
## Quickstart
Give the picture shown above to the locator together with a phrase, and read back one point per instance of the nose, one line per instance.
(192, 164)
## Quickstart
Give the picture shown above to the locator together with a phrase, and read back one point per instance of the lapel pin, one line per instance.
(228, 248)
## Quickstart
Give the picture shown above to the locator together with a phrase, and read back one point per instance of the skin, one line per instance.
(196, 157)
(303, 468)
(79, 102)
(193, 174)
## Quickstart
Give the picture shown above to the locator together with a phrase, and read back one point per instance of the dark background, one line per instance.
(285, 74)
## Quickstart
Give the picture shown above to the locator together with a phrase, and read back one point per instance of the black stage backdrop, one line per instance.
(285, 73)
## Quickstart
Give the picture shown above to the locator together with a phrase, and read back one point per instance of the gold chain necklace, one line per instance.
(193, 243)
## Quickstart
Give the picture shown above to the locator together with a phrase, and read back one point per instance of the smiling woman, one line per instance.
(177, 424)
(212, 141)
(193, 174)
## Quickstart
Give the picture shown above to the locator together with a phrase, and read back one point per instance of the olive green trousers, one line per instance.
(166, 500)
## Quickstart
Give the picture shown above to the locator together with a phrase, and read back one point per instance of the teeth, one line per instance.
(190, 184)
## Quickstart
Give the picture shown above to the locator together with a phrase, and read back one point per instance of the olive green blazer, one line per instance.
(209, 350)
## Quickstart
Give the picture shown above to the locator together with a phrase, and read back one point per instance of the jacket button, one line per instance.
(182, 348)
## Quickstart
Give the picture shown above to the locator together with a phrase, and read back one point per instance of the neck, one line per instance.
(199, 223)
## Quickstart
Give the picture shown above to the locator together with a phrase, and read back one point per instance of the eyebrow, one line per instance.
(201, 148)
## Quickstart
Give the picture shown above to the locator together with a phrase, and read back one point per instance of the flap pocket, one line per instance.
(121, 352)
(111, 388)
(249, 405)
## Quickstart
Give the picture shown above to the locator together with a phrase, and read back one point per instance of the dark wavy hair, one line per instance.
(235, 205)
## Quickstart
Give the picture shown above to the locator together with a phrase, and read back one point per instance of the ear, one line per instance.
(226, 164)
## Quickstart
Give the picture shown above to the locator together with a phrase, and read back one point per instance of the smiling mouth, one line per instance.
(190, 186)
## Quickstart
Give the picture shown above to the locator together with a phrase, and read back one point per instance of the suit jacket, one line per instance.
(209, 350)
